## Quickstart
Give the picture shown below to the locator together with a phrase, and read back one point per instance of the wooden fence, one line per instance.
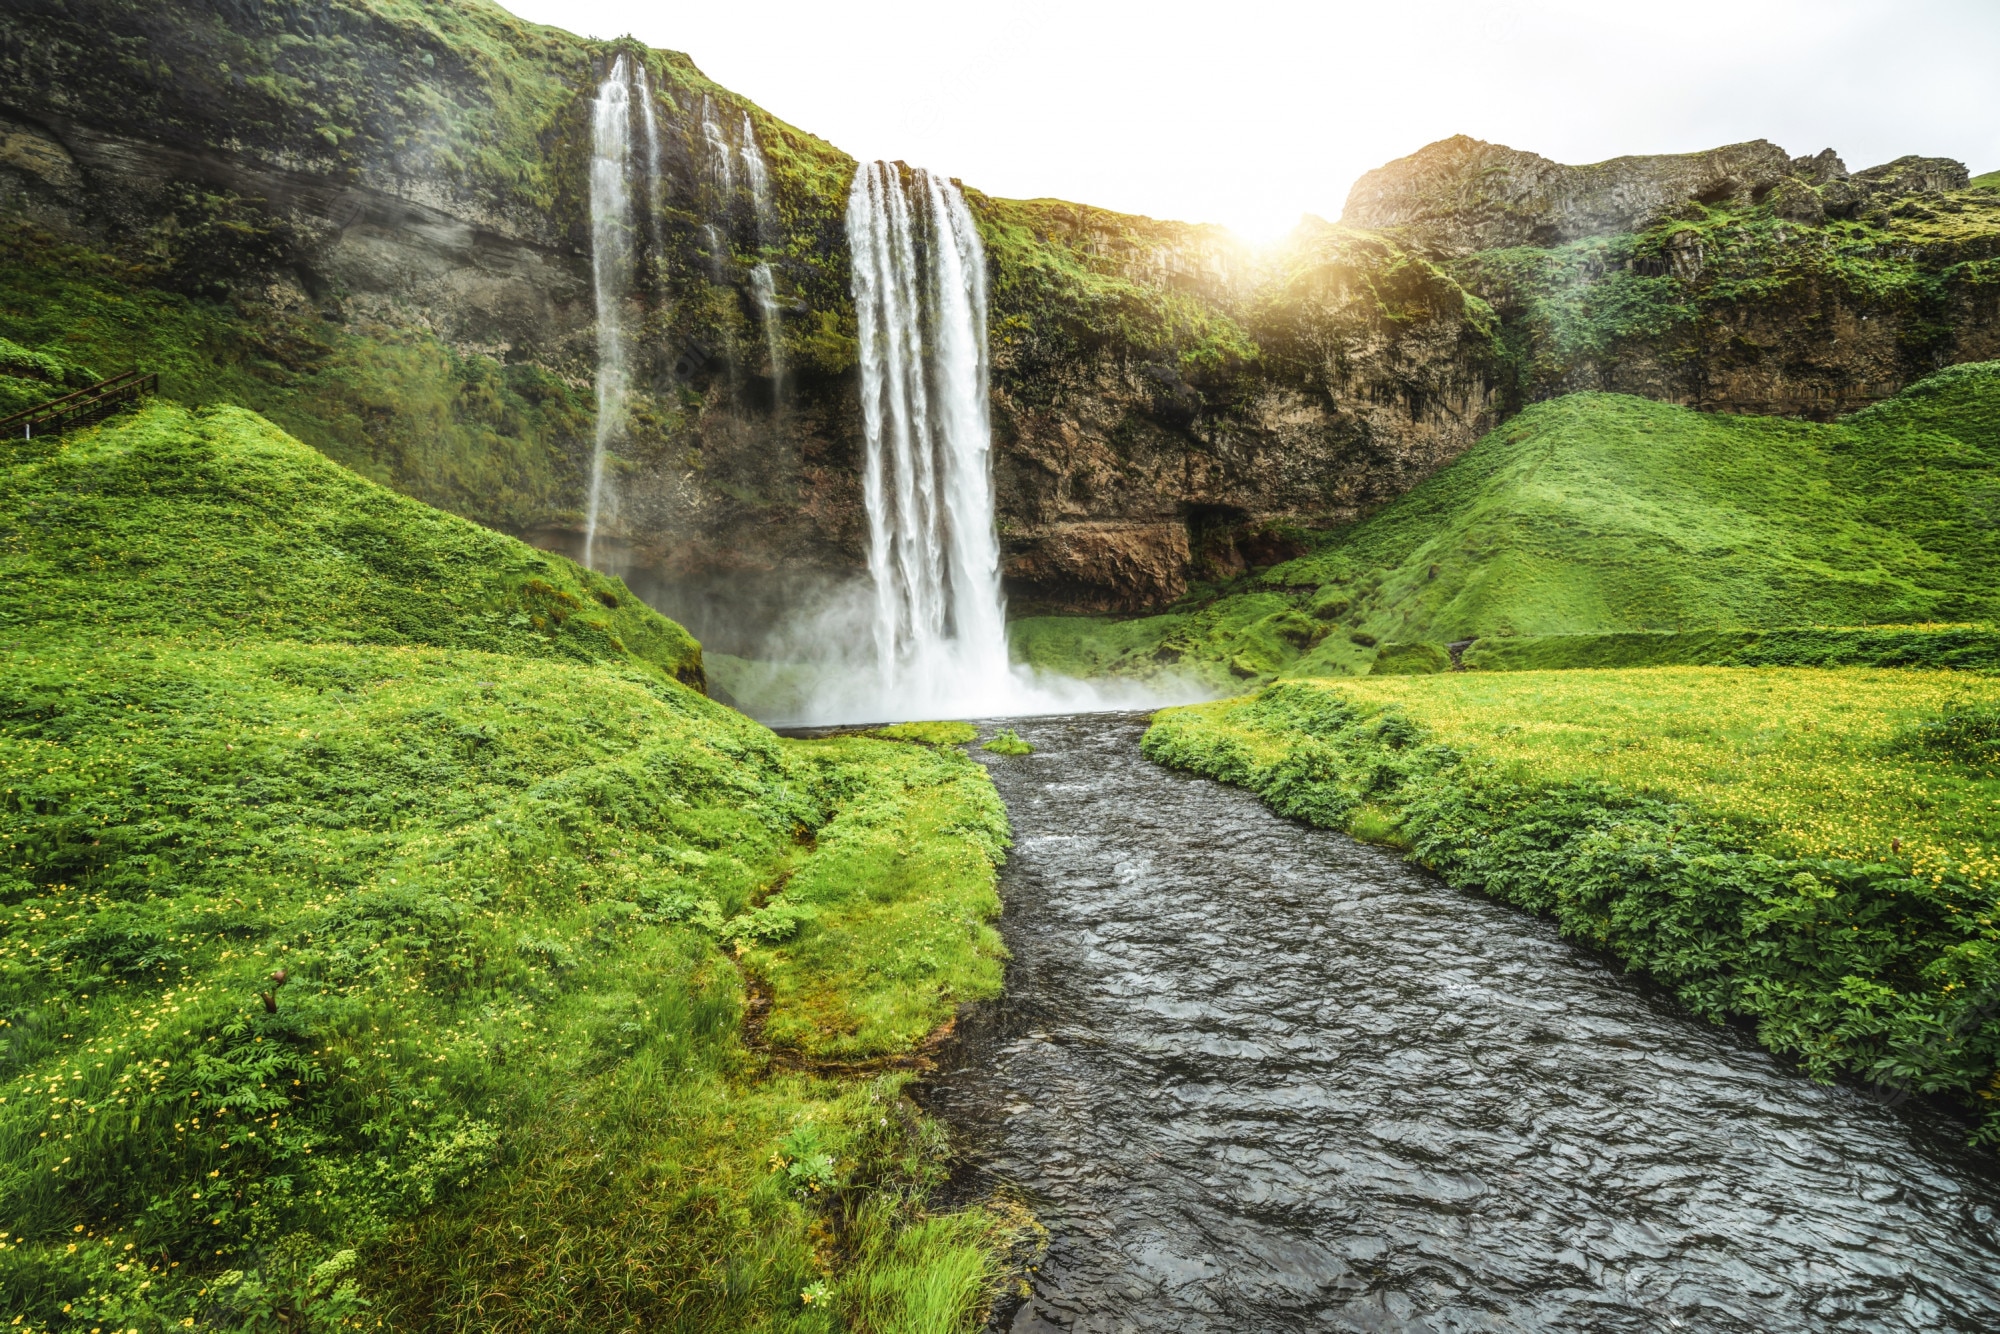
(82, 408)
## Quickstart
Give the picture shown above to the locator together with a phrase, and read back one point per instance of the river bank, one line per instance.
(1810, 850)
(1258, 1076)
(379, 915)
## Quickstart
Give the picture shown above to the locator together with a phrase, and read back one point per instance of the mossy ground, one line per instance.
(259, 714)
(1804, 762)
(1812, 849)
(1602, 513)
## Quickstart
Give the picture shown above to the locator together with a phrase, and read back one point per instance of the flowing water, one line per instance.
(721, 167)
(763, 285)
(610, 270)
(1260, 1077)
(650, 208)
(919, 276)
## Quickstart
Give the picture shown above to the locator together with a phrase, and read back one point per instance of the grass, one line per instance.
(498, 443)
(1812, 850)
(232, 527)
(1007, 741)
(1803, 762)
(1601, 513)
(261, 716)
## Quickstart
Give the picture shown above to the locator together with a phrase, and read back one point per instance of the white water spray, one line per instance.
(610, 267)
(925, 636)
(763, 286)
(933, 554)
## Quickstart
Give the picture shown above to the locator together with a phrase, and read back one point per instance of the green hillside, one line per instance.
(173, 522)
(378, 917)
(1597, 512)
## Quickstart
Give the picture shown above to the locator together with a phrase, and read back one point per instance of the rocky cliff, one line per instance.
(369, 220)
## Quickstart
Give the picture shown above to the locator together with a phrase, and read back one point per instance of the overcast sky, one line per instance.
(1249, 113)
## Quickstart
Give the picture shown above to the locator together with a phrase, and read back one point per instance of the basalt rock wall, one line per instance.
(386, 206)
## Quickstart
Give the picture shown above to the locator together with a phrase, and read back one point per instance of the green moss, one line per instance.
(1062, 292)
(1007, 741)
(218, 524)
(494, 443)
(259, 715)
(929, 734)
(1957, 647)
(1604, 515)
(1571, 313)
(1410, 660)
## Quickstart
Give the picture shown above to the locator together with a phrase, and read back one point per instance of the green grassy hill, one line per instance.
(1597, 512)
(259, 716)
(173, 522)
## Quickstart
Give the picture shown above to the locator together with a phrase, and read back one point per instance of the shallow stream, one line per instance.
(1261, 1077)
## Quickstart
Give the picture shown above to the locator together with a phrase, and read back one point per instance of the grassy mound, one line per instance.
(520, 883)
(1601, 513)
(1813, 850)
(173, 522)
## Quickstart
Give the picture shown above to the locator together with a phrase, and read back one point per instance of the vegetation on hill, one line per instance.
(1598, 513)
(491, 441)
(376, 944)
(173, 522)
(1812, 850)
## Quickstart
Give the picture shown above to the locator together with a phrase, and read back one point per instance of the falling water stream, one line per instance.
(763, 285)
(611, 258)
(919, 281)
(1260, 1077)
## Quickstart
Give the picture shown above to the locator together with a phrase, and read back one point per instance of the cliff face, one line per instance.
(370, 221)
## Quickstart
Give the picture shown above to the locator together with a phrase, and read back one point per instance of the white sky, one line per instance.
(1253, 112)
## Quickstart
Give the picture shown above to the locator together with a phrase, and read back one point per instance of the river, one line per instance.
(1255, 1076)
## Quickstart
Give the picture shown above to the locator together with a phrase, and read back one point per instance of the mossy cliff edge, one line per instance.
(368, 220)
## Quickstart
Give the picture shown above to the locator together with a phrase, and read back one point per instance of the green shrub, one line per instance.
(1007, 742)
(928, 734)
(1410, 660)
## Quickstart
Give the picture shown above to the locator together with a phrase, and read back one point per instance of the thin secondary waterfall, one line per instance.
(919, 278)
(610, 269)
(762, 284)
(718, 150)
(652, 204)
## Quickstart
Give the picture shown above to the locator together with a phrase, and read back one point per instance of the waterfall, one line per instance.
(718, 150)
(610, 270)
(763, 285)
(919, 278)
(652, 204)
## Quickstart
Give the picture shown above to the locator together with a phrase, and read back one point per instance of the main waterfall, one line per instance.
(919, 281)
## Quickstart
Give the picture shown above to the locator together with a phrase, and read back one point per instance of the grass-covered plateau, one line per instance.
(1601, 514)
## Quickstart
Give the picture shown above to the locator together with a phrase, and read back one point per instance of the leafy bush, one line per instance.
(1007, 742)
